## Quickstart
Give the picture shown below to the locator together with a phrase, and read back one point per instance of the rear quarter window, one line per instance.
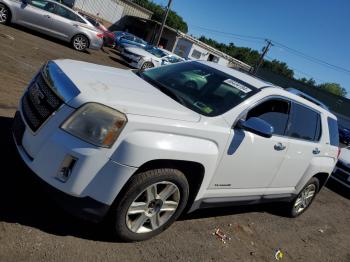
(333, 131)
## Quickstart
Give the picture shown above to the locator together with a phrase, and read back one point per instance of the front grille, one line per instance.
(39, 102)
(343, 166)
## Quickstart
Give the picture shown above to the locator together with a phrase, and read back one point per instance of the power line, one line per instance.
(311, 58)
(238, 36)
(257, 39)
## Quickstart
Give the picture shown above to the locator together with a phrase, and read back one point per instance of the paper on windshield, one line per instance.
(237, 85)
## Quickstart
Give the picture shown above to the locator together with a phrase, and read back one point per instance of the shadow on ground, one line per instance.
(46, 37)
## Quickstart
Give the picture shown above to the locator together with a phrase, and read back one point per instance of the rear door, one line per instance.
(66, 23)
(304, 132)
(37, 15)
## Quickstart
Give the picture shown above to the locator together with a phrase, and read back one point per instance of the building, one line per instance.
(110, 11)
(175, 41)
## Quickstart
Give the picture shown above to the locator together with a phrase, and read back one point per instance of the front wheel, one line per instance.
(80, 43)
(4, 14)
(146, 65)
(152, 201)
(305, 198)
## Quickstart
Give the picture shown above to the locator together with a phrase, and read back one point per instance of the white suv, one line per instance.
(145, 147)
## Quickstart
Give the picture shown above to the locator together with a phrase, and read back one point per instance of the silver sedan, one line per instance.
(53, 19)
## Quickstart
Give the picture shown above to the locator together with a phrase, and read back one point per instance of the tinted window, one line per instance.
(45, 5)
(333, 131)
(304, 123)
(212, 95)
(275, 112)
(66, 13)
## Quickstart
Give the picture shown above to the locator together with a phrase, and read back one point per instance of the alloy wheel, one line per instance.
(153, 207)
(3, 14)
(305, 198)
(80, 43)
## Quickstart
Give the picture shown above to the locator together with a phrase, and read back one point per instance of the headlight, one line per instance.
(96, 124)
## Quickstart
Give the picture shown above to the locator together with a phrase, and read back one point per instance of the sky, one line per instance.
(316, 28)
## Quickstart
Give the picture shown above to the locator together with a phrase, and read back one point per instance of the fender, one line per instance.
(317, 165)
(143, 146)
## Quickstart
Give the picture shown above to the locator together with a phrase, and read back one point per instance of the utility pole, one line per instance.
(163, 22)
(261, 59)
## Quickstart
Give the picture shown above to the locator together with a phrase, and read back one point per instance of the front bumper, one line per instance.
(94, 181)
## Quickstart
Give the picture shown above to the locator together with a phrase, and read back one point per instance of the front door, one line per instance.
(37, 14)
(251, 162)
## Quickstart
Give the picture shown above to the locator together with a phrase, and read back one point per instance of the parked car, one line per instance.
(344, 135)
(54, 19)
(148, 57)
(108, 37)
(307, 97)
(342, 171)
(143, 149)
(127, 40)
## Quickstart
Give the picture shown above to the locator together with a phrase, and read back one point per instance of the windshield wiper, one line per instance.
(162, 88)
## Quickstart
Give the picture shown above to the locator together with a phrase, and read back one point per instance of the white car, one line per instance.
(148, 57)
(143, 147)
(342, 171)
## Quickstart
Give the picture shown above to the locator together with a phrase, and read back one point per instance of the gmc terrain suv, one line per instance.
(144, 147)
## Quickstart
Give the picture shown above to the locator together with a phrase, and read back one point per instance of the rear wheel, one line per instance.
(305, 198)
(5, 14)
(80, 42)
(147, 65)
(152, 201)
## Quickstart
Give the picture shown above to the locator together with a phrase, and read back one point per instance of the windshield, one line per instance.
(199, 87)
(155, 51)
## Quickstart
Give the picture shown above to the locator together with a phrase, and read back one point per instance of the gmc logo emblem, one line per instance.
(36, 94)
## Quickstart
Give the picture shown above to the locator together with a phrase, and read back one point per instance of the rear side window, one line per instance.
(275, 112)
(333, 131)
(304, 123)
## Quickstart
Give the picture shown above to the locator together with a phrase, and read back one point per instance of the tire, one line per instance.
(80, 43)
(147, 65)
(5, 14)
(302, 202)
(161, 196)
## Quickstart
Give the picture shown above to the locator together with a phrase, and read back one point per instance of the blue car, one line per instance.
(124, 39)
(344, 135)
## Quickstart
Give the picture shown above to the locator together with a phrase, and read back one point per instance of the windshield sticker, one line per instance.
(237, 85)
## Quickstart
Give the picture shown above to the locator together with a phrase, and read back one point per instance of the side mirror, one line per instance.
(256, 126)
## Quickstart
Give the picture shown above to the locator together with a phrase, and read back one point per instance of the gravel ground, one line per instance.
(33, 228)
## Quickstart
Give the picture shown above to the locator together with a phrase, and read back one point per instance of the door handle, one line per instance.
(279, 147)
(47, 16)
(316, 151)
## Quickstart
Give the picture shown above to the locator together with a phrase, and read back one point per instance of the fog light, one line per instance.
(66, 168)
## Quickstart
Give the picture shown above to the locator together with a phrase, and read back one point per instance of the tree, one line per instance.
(174, 20)
(309, 81)
(334, 88)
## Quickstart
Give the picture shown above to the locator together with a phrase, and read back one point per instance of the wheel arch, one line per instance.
(82, 34)
(193, 171)
(10, 11)
(322, 178)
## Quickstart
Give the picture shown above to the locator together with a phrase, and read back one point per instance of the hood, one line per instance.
(141, 52)
(123, 90)
(345, 155)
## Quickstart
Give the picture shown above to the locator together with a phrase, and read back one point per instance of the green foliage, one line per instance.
(334, 88)
(174, 20)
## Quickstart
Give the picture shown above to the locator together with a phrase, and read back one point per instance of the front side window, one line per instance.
(304, 123)
(42, 4)
(199, 87)
(275, 112)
